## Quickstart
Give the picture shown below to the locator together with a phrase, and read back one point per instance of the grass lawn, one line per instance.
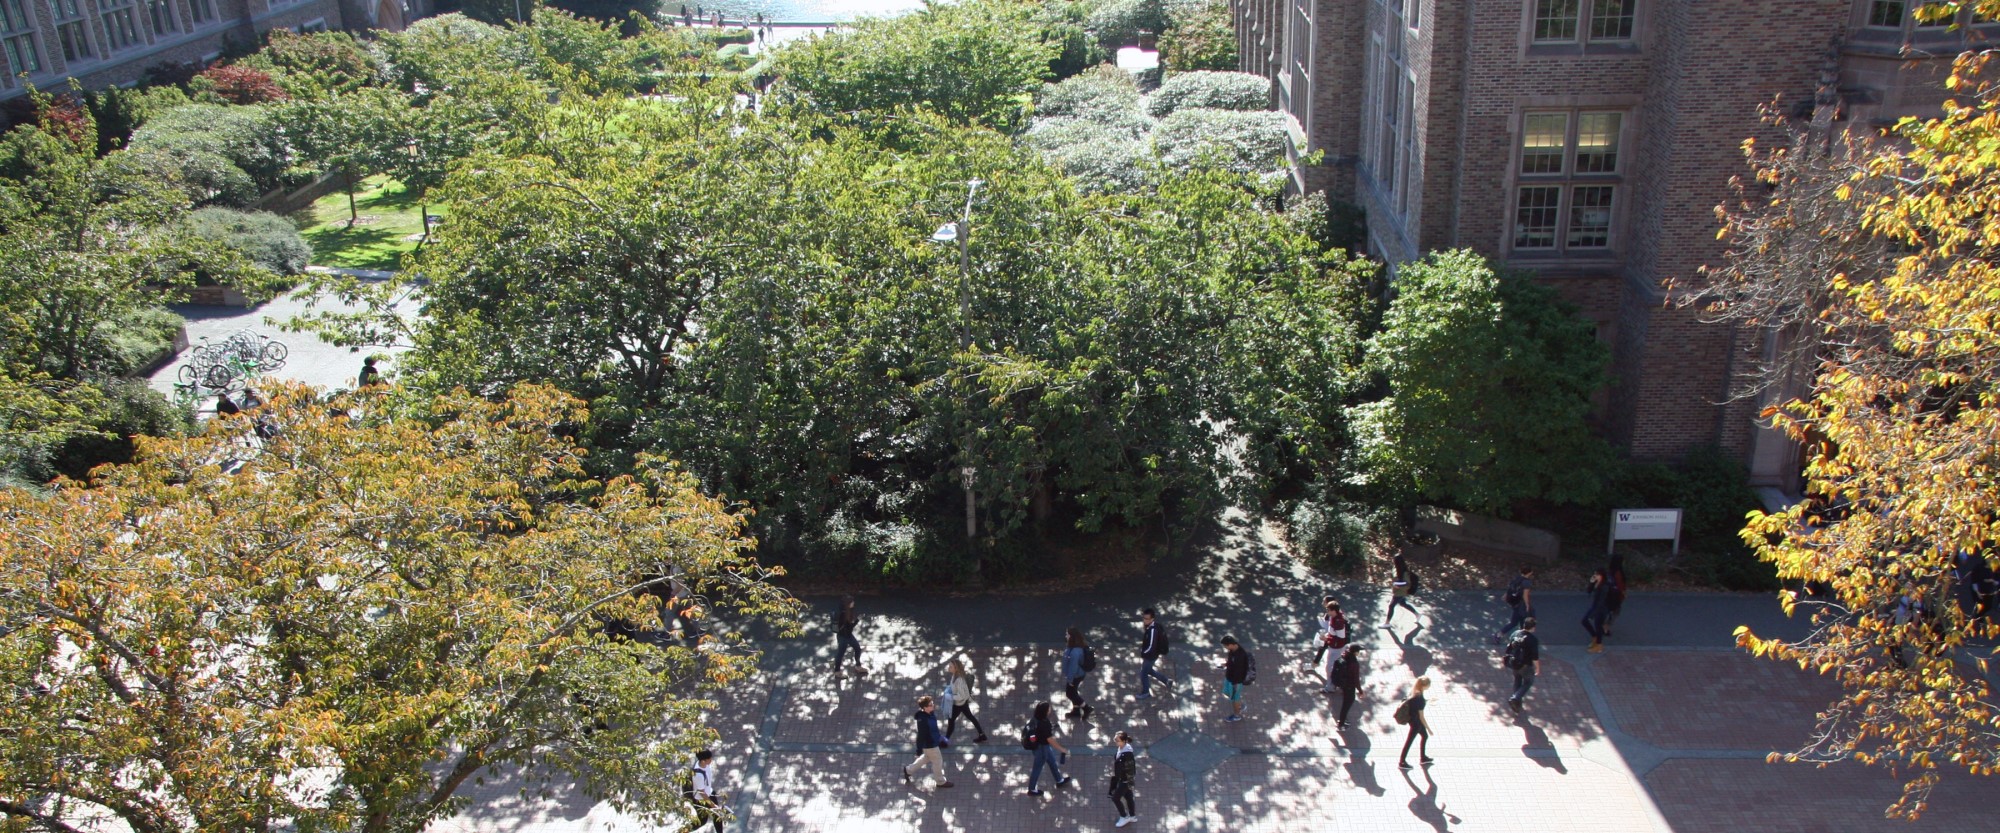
(386, 230)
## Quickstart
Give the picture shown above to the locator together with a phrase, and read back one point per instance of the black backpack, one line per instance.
(1028, 739)
(1517, 650)
(1514, 590)
(1089, 661)
(1250, 668)
(1160, 636)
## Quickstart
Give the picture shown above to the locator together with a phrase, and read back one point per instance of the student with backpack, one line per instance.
(1039, 738)
(1152, 646)
(1520, 599)
(1402, 586)
(929, 742)
(1523, 657)
(1346, 676)
(704, 800)
(1077, 662)
(1239, 669)
(1614, 572)
(844, 624)
(1412, 714)
(1124, 770)
(958, 684)
(1332, 636)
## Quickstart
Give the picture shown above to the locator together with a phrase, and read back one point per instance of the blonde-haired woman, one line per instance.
(1413, 708)
(960, 685)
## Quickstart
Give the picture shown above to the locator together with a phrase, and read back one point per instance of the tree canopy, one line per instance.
(339, 629)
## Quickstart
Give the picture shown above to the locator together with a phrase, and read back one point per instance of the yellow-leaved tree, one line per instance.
(338, 626)
(1870, 260)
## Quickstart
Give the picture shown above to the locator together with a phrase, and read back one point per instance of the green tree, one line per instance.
(975, 62)
(1200, 35)
(1489, 382)
(375, 613)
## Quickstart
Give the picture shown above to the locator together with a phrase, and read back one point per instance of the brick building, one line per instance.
(1588, 141)
(104, 43)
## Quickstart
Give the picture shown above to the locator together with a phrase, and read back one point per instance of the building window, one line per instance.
(201, 11)
(1568, 181)
(1584, 21)
(72, 30)
(121, 28)
(1901, 15)
(23, 53)
(162, 14)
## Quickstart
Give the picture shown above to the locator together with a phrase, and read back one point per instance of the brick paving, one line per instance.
(1711, 699)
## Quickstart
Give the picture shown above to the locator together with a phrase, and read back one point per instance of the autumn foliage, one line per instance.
(238, 84)
(338, 626)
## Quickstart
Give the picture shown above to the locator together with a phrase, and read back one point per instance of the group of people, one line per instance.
(1336, 661)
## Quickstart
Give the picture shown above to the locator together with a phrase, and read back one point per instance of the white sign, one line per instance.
(1646, 525)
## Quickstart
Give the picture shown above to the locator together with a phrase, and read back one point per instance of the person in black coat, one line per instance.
(929, 742)
(1347, 677)
(1124, 771)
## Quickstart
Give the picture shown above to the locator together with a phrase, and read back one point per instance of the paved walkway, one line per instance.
(309, 360)
(1666, 731)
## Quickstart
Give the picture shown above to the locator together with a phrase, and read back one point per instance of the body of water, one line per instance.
(817, 11)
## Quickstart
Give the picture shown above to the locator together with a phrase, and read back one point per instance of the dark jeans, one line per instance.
(1347, 696)
(1417, 730)
(1516, 615)
(1121, 797)
(846, 641)
(1044, 757)
(1524, 679)
(1147, 675)
(1075, 697)
(965, 710)
(1594, 623)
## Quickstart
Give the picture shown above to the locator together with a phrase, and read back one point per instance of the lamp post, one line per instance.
(961, 233)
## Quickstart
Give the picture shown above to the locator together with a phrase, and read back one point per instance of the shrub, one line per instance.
(1199, 36)
(120, 111)
(132, 343)
(1334, 535)
(1118, 23)
(315, 65)
(1102, 89)
(206, 177)
(131, 407)
(1712, 490)
(1244, 142)
(1213, 90)
(1109, 166)
(238, 84)
(245, 136)
(262, 238)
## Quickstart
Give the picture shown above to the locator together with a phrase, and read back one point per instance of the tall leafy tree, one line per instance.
(1869, 266)
(387, 600)
(1489, 382)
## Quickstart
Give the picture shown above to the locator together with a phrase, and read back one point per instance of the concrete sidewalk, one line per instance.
(1666, 731)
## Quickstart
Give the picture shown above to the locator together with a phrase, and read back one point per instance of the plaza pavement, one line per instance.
(309, 360)
(1665, 731)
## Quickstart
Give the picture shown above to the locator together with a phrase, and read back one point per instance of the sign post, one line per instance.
(1645, 525)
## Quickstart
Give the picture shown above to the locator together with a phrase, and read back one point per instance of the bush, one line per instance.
(131, 344)
(1102, 89)
(120, 111)
(1109, 166)
(1199, 36)
(206, 177)
(1244, 142)
(315, 65)
(1334, 535)
(1213, 90)
(267, 240)
(1118, 23)
(1712, 490)
(130, 407)
(246, 136)
(237, 84)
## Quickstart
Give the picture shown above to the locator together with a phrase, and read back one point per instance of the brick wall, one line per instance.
(237, 20)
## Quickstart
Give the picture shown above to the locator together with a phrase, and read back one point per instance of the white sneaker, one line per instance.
(1122, 821)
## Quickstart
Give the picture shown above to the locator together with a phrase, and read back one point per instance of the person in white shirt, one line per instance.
(707, 799)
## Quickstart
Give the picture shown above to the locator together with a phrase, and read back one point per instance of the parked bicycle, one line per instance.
(229, 364)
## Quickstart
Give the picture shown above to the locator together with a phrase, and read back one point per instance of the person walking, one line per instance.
(959, 684)
(1524, 658)
(1402, 586)
(368, 375)
(1520, 599)
(1412, 712)
(930, 742)
(1346, 676)
(1124, 770)
(1239, 669)
(1600, 606)
(702, 794)
(1332, 636)
(1614, 573)
(1041, 742)
(844, 624)
(1152, 646)
(1077, 663)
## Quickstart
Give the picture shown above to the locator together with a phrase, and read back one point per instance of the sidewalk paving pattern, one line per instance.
(1664, 733)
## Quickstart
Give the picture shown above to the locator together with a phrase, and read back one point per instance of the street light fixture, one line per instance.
(961, 233)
